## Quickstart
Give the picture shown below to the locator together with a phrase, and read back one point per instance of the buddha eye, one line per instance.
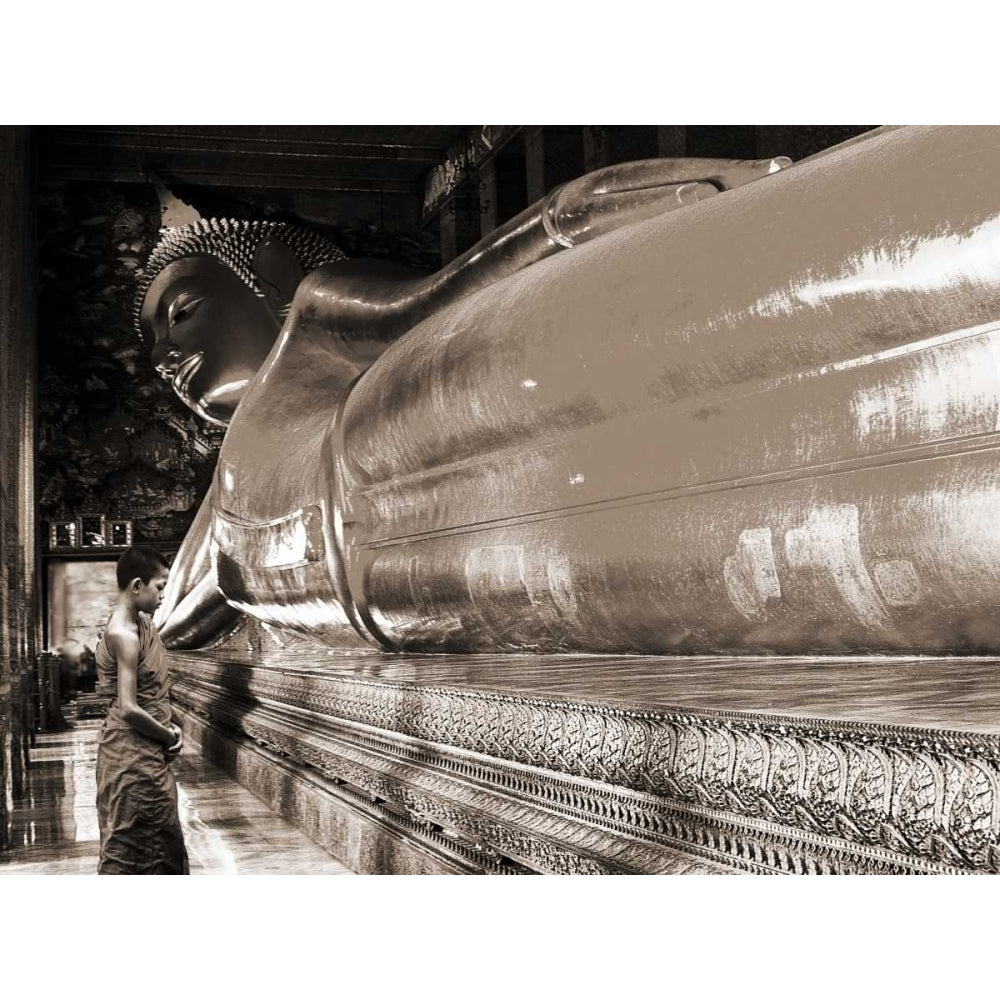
(182, 308)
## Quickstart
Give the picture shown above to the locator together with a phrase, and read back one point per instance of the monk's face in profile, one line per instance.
(210, 334)
(149, 595)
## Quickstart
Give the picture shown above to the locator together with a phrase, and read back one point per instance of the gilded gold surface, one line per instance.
(765, 421)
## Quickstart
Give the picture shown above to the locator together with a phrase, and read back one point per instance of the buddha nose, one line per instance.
(166, 356)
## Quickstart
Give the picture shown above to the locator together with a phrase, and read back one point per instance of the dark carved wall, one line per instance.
(112, 437)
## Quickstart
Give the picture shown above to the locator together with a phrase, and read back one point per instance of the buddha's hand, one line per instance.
(202, 618)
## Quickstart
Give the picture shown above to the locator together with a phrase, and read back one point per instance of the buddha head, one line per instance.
(212, 298)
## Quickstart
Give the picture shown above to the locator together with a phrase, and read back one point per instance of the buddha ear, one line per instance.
(279, 272)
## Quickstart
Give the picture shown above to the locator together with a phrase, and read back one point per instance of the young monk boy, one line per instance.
(136, 795)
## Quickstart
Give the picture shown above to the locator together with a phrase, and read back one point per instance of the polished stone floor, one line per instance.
(227, 830)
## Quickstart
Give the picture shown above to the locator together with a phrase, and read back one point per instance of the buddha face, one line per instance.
(210, 332)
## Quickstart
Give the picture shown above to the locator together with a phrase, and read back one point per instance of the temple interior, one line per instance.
(599, 499)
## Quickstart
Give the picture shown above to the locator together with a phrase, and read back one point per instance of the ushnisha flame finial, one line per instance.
(174, 212)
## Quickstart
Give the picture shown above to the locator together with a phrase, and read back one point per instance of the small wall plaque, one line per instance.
(92, 531)
(63, 535)
(119, 534)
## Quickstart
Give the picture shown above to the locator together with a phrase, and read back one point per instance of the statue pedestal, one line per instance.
(594, 764)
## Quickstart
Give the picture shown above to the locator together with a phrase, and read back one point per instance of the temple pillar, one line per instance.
(503, 187)
(604, 145)
(479, 185)
(489, 198)
(553, 154)
(595, 147)
(18, 558)
(459, 220)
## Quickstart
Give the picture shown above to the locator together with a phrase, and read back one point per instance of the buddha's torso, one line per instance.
(765, 423)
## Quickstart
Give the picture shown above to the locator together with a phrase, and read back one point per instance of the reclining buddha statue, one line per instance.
(678, 406)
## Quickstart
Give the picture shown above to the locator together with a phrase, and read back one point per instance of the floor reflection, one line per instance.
(227, 830)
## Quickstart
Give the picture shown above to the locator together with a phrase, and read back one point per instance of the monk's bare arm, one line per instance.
(124, 645)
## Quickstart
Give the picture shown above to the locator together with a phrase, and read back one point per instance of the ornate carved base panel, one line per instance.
(408, 791)
(507, 782)
(347, 822)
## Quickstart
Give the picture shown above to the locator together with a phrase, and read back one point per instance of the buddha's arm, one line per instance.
(193, 611)
(366, 306)
(342, 319)
(201, 617)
